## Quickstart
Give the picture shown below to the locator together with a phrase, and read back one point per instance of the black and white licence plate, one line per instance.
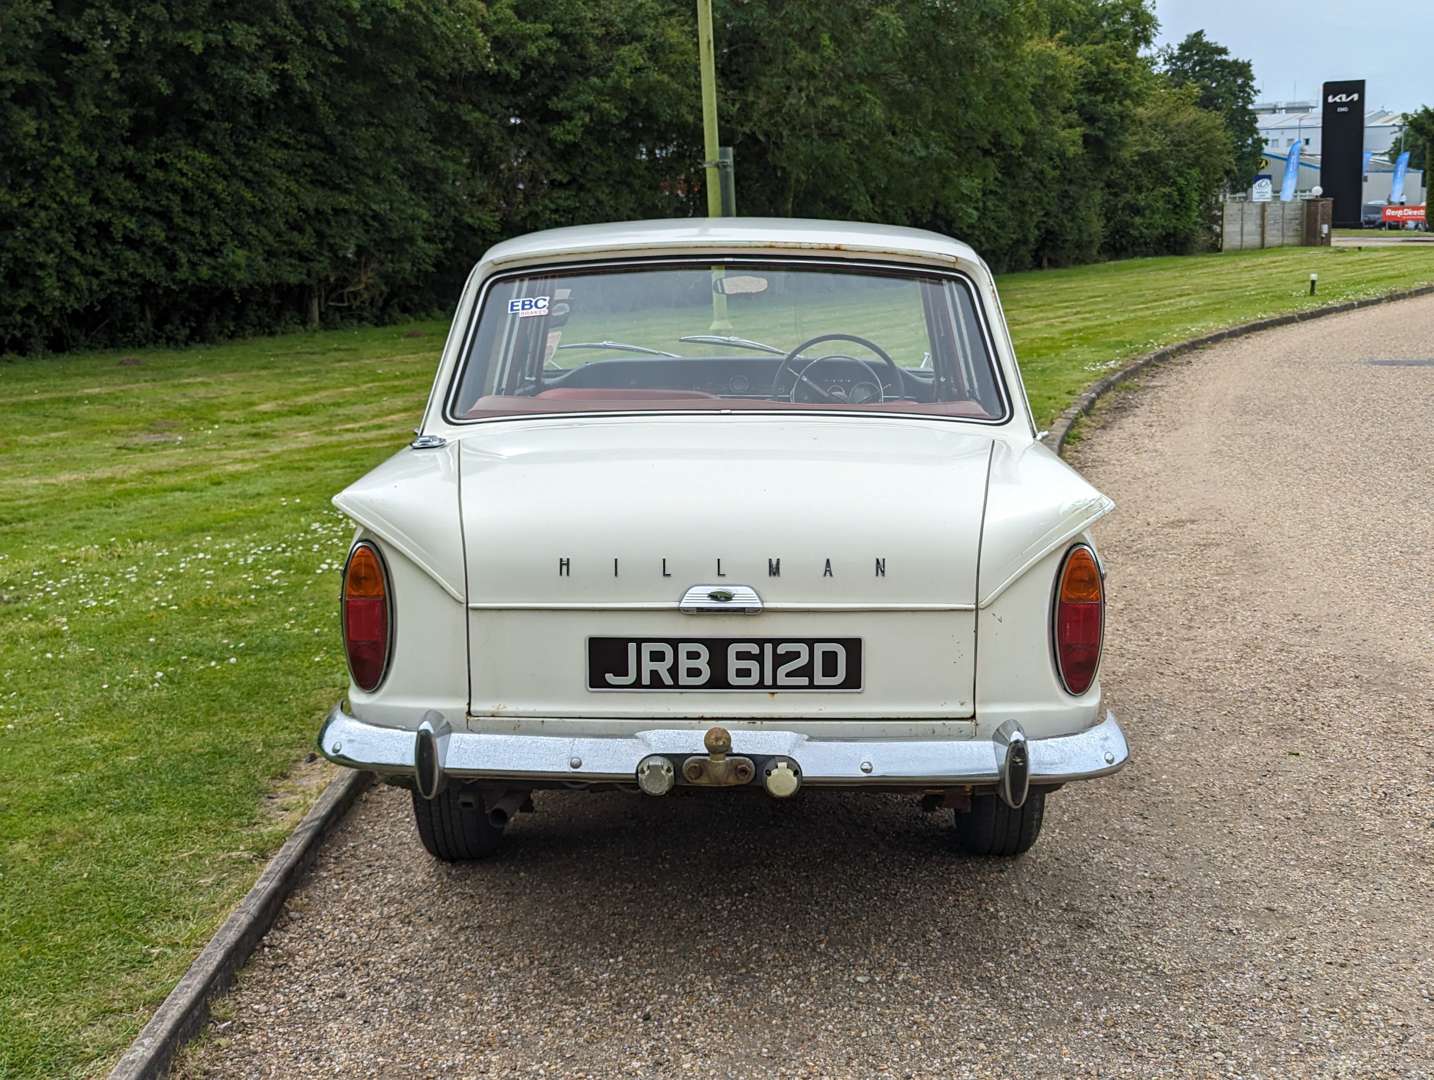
(724, 663)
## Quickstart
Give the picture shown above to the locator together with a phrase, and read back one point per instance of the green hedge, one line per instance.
(190, 169)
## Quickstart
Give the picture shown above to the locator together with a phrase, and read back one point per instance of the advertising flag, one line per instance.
(1368, 157)
(1396, 186)
(1292, 173)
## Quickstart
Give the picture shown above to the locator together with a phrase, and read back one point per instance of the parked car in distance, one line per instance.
(726, 506)
(1372, 215)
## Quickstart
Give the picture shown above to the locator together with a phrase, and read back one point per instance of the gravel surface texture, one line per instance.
(1253, 896)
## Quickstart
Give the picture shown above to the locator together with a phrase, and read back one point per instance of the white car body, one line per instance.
(510, 542)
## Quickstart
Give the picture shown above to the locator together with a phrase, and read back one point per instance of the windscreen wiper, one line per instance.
(620, 346)
(734, 342)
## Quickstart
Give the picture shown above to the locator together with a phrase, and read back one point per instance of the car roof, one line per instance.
(730, 234)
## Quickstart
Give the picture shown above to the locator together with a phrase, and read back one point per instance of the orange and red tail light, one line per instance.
(367, 616)
(1079, 620)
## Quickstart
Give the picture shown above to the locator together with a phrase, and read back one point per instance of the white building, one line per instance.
(1284, 122)
(1377, 181)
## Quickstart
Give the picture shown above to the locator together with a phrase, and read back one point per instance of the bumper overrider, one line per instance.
(659, 758)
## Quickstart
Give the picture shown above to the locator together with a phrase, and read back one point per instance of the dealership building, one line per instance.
(1282, 123)
(1285, 123)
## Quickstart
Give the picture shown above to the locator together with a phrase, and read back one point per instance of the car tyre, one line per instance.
(454, 825)
(991, 827)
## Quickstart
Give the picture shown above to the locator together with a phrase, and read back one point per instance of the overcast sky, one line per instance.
(1297, 46)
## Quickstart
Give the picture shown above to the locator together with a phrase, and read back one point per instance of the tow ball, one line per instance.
(718, 768)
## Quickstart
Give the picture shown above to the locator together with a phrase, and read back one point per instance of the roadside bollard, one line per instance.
(1314, 281)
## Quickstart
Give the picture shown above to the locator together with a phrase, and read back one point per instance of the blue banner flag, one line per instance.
(1292, 173)
(1368, 157)
(1396, 186)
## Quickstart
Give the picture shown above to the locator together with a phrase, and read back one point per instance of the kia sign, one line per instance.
(1404, 215)
(1342, 152)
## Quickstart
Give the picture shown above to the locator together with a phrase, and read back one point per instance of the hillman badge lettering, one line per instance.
(774, 567)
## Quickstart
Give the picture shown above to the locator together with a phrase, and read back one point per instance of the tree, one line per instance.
(896, 111)
(591, 112)
(189, 170)
(998, 121)
(1103, 42)
(1178, 155)
(1225, 86)
(1418, 139)
(193, 169)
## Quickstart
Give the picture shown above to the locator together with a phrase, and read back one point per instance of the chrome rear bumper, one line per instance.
(517, 759)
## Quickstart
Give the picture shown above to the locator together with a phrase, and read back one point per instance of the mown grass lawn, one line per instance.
(1072, 326)
(168, 576)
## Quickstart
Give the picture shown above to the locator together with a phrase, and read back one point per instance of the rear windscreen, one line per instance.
(729, 336)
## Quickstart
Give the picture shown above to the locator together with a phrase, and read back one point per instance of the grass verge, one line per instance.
(168, 575)
(1071, 327)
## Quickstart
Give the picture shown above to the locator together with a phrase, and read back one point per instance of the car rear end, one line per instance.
(659, 582)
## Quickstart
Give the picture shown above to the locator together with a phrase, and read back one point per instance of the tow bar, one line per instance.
(719, 767)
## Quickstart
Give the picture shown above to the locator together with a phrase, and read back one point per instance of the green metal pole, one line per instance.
(707, 60)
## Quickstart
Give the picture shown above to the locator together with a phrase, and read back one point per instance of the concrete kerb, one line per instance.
(186, 1009)
(1061, 429)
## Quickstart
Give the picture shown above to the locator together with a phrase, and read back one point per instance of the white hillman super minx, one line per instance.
(732, 503)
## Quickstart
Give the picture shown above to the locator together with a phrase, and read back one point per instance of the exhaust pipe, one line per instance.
(502, 808)
(1013, 764)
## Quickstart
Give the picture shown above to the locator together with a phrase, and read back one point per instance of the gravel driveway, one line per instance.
(1253, 896)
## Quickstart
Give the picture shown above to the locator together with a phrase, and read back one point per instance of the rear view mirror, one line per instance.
(739, 285)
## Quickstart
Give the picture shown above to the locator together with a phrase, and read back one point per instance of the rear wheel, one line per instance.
(454, 825)
(991, 827)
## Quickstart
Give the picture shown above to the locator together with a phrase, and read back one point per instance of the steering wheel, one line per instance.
(800, 375)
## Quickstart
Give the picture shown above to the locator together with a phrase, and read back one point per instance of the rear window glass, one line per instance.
(730, 336)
